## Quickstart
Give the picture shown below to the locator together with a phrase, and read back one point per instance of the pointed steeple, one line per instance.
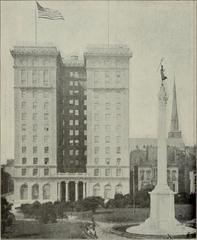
(174, 128)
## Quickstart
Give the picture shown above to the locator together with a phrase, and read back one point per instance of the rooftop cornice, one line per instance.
(34, 50)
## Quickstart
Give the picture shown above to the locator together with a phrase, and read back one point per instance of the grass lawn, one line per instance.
(35, 230)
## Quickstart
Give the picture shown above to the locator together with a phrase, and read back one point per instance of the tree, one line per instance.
(7, 217)
(92, 203)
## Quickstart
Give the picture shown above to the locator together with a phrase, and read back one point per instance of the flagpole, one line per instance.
(108, 23)
(35, 24)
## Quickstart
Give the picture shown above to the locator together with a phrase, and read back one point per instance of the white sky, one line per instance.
(151, 29)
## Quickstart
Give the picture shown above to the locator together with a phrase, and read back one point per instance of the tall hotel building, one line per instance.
(71, 123)
(107, 70)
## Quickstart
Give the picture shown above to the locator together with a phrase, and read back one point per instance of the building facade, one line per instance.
(107, 69)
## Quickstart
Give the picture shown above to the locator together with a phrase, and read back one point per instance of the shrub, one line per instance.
(7, 218)
(182, 198)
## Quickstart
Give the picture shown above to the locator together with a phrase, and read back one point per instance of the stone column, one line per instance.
(66, 192)
(162, 146)
(58, 190)
(76, 191)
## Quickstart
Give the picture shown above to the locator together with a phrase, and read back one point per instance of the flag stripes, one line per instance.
(48, 13)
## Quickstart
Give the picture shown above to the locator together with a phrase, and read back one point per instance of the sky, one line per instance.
(151, 29)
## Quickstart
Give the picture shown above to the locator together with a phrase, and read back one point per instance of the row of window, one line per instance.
(35, 127)
(107, 172)
(34, 171)
(76, 112)
(35, 149)
(35, 138)
(36, 77)
(108, 106)
(35, 105)
(34, 93)
(107, 161)
(76, 132)
(71, 92)
(35, 116)
(107, 139)
(35, 191)
(107, 150)
(35, 160)
(76, 142)
(107, 116)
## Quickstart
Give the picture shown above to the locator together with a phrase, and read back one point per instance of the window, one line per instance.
(107, 128)
(107, 139)
(71, 92)
(71, 132)
(76, 74)
(107, 172)
(118, 150)
(96, 160)
(46, 116)
(76, 132)
(96, 150)
(24, 191)
(35, 172)
(118, 105)
(23, 105)
(71, 152)
(118, 127)
(46, 160)
(76, 141)
(118, 172)
(76, 91)
(46, 94)
(76, 83)
(46, 191)
(76, 112)
(85, 121)
(85, 132)
(118, 161)
(46, 127)
(23, 171)
(71, 142)
(96, 82)
(96, 116)
(35, 160)
(35, 127)
(76, 102)
(107, 116)
(45, 78)
(71, 83)
(71, 101)
(34, 77)
(85, 142)
(46, 138)
(71, 74)
(23, 116)
(85, 153)
(76, 122)
(107, 161)
(46, 106)
(85, 112)
(71, 111)
(23, 127)
(85, 102)
(76, 152)
(35, 149)
(96, 127)
(118, 116)
(107, 106)
(46, 149)
(24, 149)
(96, 139)
(24, 160)
(23, 93)
(34, 93)
(35, 116)
(35, 191)
(23, 138)
(96, 172)
(46, 172)
(23, 77)
(118, 139)
(107, 150)
(96, 96)
(71, 122)
(35, 137)
(118, 78)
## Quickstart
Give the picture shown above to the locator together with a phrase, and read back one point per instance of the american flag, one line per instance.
(48, 13)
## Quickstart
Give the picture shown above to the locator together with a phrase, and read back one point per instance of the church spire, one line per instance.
(174, 129)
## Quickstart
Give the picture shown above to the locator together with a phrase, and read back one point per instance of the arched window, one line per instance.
(46, 191)
(24, 191)
(96, 190)
(35, 191)
(118, 188)
(107, 191)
